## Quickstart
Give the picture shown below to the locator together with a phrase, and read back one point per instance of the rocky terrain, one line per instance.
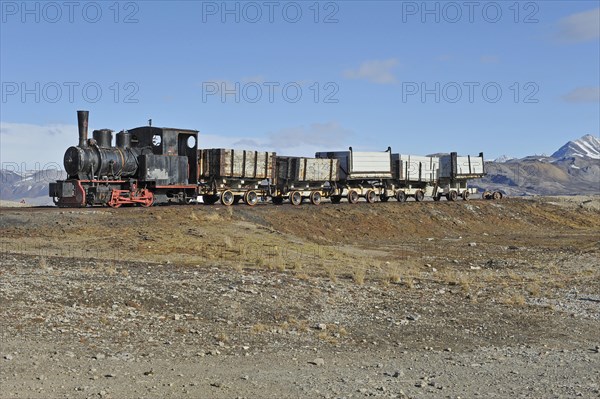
(467, 299)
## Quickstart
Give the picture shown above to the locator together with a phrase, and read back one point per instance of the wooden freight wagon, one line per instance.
(299, 178)
(230, 175)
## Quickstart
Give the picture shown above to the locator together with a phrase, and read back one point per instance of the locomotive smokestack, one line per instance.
(82, 120)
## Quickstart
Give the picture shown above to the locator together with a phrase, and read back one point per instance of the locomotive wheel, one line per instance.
(401, 196)
(486, 195)
(251, 198)
(370, 196)
(296, 198)
(227, 198)
(419, 196)
(383, 198)
(149, 201)
(352, 197)
(114, 204)
(315, 198)
(277, 200)
(497, 195)
(466, 195)
(336, 199)
(452, 195)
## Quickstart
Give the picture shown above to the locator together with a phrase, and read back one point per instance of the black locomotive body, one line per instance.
(147, 165)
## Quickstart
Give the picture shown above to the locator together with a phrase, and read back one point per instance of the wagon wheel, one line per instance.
(452, 195)
(401, 196)
(352, 197)
(227, 198)
(296, 198)
(497, 195)
(466, 195)
(419, 196)
(370, 196)
(486, 195)
(336, 199)
(315, 198)
(251, 198)
(277, 200)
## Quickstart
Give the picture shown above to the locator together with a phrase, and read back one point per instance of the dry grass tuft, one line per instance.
(222, 337)
(534, 289)
(358, 275)
(258, 328)
(331, 269)
(228, 242)
(393, 273)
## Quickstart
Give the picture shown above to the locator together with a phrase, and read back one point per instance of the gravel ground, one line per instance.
(494, 316)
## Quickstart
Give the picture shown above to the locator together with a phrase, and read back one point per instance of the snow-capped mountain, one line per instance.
(586, 147)
(28, 186)
(503, 158)
(573, 169)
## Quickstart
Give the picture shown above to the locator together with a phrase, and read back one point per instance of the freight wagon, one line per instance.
(361, 175)
(229, 175)
(299, 178)
(455, 172)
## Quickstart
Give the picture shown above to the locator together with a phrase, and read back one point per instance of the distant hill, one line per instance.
(573, 169)
(30, 186)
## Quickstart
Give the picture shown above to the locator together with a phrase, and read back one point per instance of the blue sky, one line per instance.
(503, 77)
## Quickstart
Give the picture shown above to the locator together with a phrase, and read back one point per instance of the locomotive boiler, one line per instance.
(146, 164)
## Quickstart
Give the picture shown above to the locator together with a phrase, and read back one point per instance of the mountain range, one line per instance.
(573, 169)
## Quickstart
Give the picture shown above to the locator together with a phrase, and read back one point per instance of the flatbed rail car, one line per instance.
(299, 178)
(229, 175)
(361, 175)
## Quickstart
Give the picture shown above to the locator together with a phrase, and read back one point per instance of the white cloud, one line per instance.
(580, 27)
(588, 94)
(375, 71)
(28, 144)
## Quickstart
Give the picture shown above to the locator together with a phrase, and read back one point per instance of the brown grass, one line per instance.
(358, 275)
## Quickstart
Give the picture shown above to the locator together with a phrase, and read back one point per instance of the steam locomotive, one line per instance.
(149, 165)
